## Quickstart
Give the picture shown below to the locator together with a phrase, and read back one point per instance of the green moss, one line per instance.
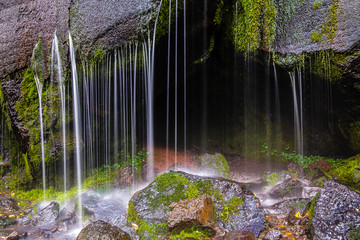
(98, 55)
(231, 208)
(163, 20)
(192, 231)
(272, 178)
(312, 213)
(347, 172)
(327, 31)
(219, 13)
(317, 4)
(354, 234)
(38, 62)
(253, 24)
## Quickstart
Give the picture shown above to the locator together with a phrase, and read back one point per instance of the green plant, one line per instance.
(192, 231)
(317, 4)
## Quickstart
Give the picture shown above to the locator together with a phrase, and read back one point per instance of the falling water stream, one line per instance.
(77, 121)
(55, 53)
(39, 87)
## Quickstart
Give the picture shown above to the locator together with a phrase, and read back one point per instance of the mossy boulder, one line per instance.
(102, 230)
(348, 172)
(214, 165)
(235, 206)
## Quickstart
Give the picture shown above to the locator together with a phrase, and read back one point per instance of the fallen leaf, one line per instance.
(134, 226)
(298, 215)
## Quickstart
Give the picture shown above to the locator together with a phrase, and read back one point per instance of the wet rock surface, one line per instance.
(109, 209)
(336, 212)
(286, 206)
(47, 216)
(8, 203)
(288, 188)
(102, 230)
(236, 205)
(196, 211)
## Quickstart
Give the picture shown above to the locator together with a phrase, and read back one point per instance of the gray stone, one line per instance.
(310, 192)
(289, 188)
(46, 216)
(286, 206)
(214, 165)
(336, 212)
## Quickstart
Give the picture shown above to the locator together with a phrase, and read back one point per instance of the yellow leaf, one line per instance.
(12, 194)
(134, 226)
(17, 216)
(298, 215)
(288, 233)
(294, 179)
(11, 216)
(308, 214)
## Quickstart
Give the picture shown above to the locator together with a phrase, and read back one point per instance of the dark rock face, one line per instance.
(125, 175)
(336, 212)
(196, 211)
(108, 209)
(102, 230)
(289, 188)
(47, 216)
(236, 206)
(238, 235)
(110, 24)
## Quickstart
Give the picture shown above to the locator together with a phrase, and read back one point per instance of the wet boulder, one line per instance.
(310, 192)
(235, 205)
(289, 188)
(197, 211)
(214, 165)
(336, 213)
(102, 230)
(285, 207)
(108, 208)
(47, 216)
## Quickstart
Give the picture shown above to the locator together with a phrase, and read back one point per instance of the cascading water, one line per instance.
(39, 87)
(298, 118)
(77, 121)
(55, 55)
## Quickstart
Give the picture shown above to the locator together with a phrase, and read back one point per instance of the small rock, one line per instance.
(310, 192)
(215, 165)
(322, 165)
(196, 211)
(273, 235)
(46, 216)
(102, 230)
(289, 188)
(125, 175)
(13, 236)
(67, 215)
(238, 235)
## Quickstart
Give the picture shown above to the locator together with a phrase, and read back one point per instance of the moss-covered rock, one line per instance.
(348, 172)
(214, 165)
(236, 207)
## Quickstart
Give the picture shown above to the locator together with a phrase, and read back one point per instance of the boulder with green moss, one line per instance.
(102, 230)
(214, 165)
(235, 206)
(348, 172)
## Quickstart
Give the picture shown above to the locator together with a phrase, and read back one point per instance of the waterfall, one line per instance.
(39, 87)
(168, 88)
(77, 121)
(55, 51)
(298, 118)
(185, 82)
(176, 82)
